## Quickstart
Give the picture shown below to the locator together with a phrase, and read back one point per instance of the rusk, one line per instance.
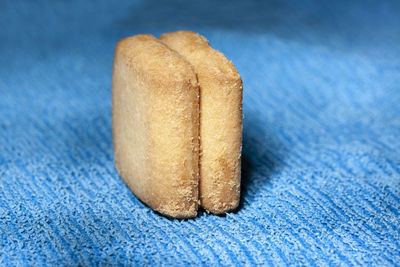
(220, 120)
(155, 119)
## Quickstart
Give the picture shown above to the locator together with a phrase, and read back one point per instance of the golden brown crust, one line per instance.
(220, 120)
(155, 109)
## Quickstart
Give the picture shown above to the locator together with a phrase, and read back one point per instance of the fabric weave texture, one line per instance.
(321, 160)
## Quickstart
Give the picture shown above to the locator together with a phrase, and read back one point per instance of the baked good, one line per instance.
(155, 120)
(220, 120)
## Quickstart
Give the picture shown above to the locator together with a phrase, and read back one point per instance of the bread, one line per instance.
(220, 120)
(155, 120)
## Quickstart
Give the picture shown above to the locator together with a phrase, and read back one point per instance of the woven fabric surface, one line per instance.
(321, 160)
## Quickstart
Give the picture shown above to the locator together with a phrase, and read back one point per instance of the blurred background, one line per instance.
(321, 161)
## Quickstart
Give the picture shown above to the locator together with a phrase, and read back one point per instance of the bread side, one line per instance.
(220, 120)
(155, 117)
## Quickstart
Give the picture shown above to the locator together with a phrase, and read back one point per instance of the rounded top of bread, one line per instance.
(199, 52)
(146, 54)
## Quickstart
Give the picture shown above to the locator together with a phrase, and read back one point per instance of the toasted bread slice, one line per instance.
(220, 120)
(155, 118)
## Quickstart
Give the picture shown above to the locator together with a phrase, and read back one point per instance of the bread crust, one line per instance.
(221, 90)
(155, 117)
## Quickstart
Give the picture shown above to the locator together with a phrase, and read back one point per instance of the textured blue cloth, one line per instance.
(321, 160)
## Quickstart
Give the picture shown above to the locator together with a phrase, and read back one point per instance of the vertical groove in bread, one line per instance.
(155, 117)
(220, 120)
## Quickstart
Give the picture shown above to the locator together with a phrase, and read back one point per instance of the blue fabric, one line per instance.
(321, 160)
